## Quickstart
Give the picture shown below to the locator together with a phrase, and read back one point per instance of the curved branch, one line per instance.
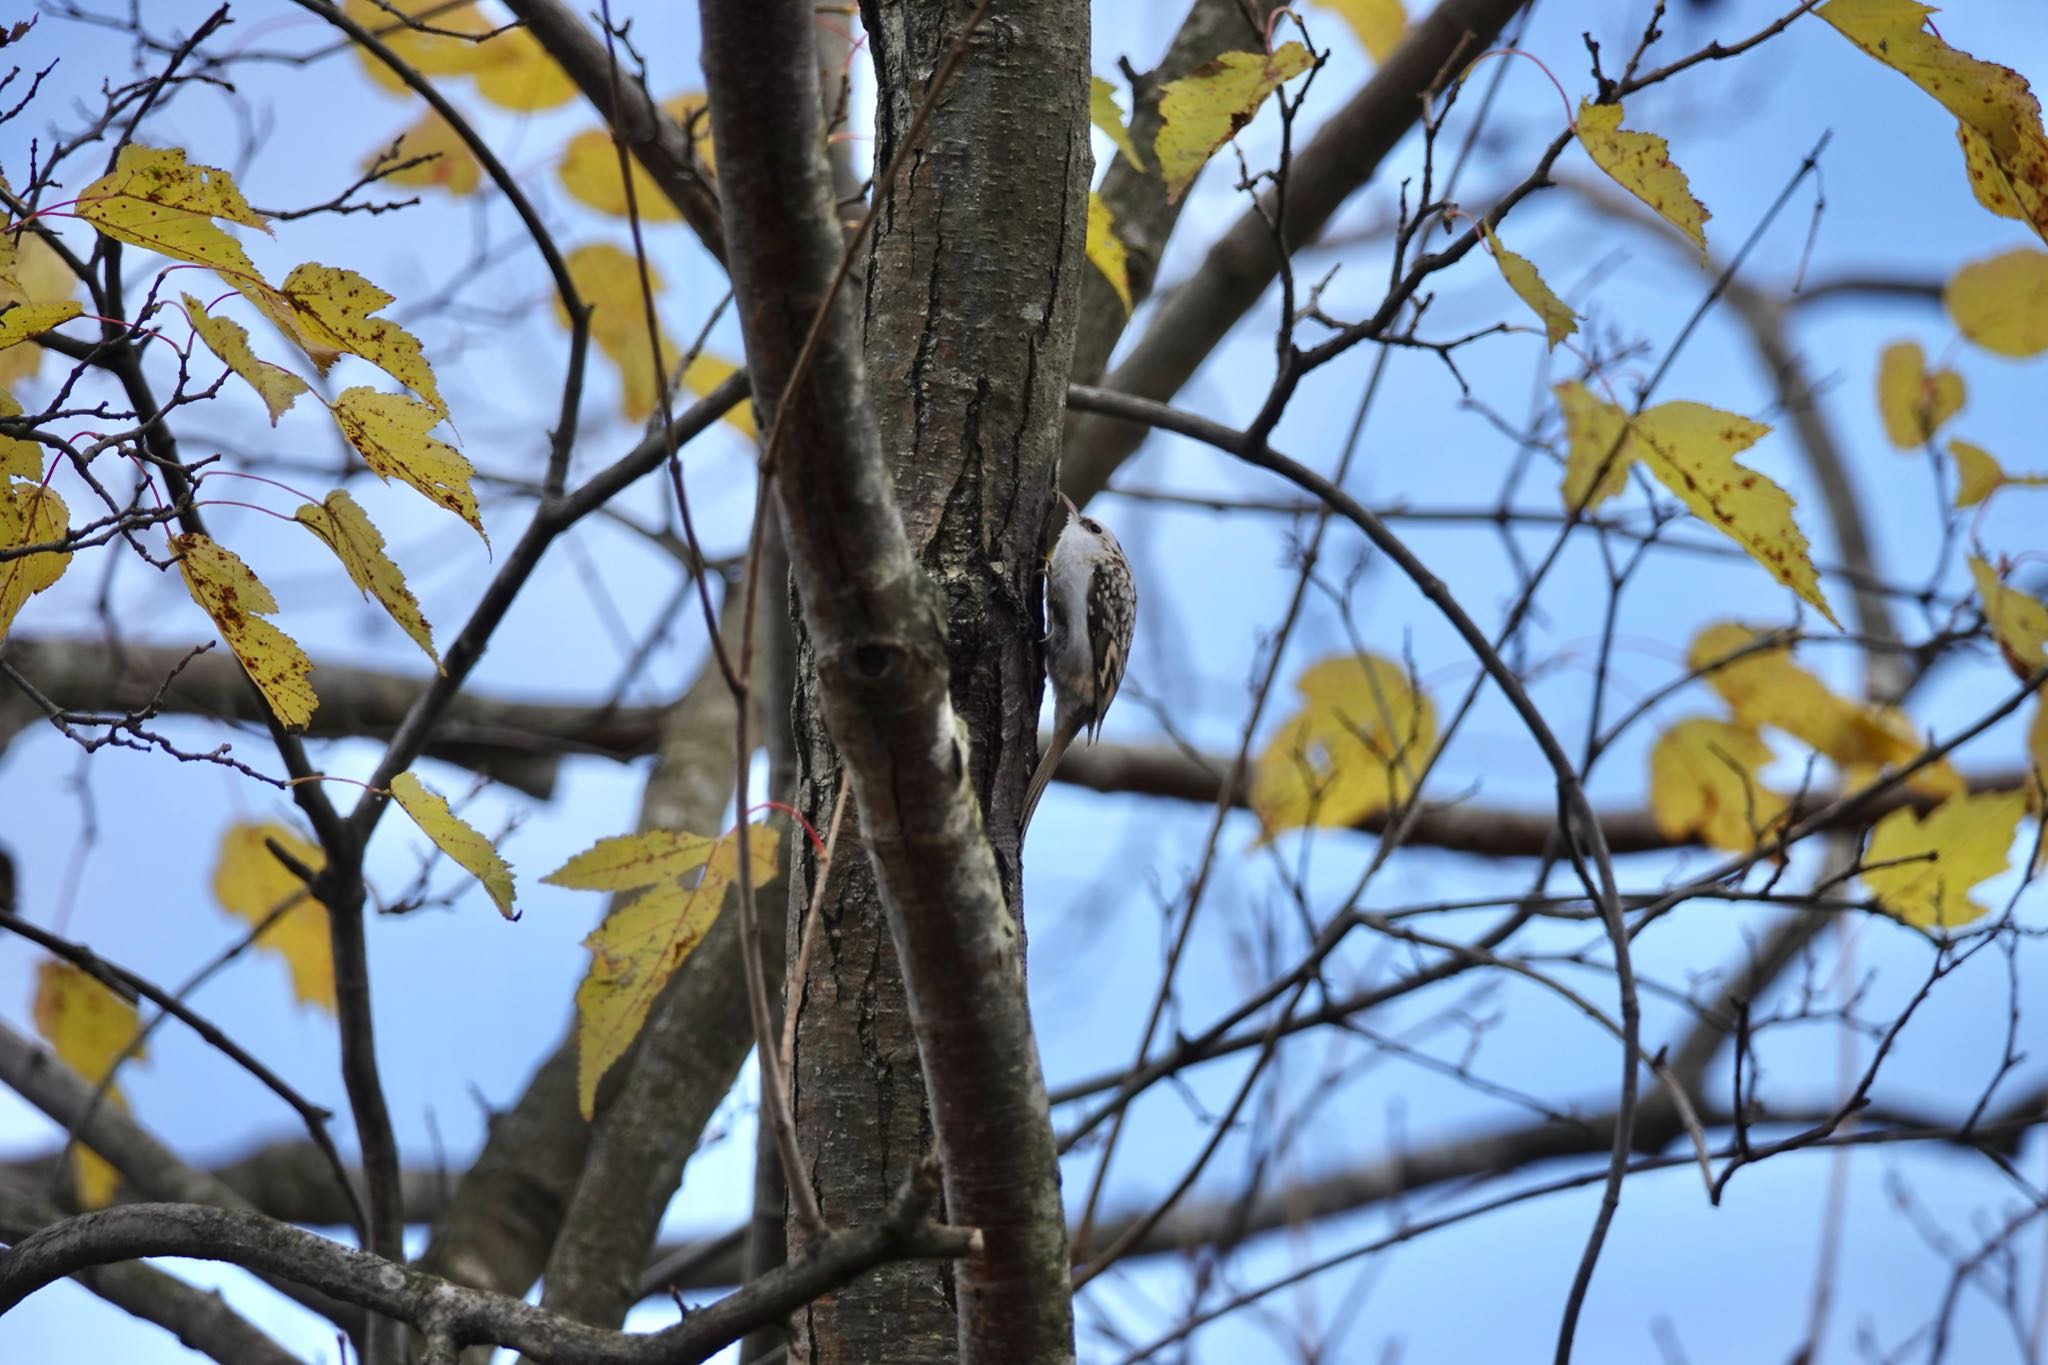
(467, 1316)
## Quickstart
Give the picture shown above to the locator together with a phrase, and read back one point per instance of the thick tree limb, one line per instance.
(436, 1307)
(1136, 195)
(1344, 154)
(499, 737)
(657, 142)
(200, 1319)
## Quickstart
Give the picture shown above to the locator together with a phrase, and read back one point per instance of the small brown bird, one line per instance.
(1092, 606)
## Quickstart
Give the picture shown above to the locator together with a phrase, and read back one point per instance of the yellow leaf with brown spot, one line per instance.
(589, 168)
(250, 883)
(18, 458)
(91, 1030)
(31, 271)
(1379, 24)
(1598, 451)
(515, 72)
(284, 315)
(1914, 403)
(1105, 113)
(641, 944)
(1106, 250)
(2004, 146)
(608, 278)
(347, 530)
(1641, 164)
(20, 321)
(1704, 783)
(1205, 109)
(458, 839)
(1558, 320)
(389, 430)
(450, 164)
(1356, 747)
(1923, 869)
(2002, 304)
(237, 601)
(2019, 620)
(335, 306)
(1766, 689)
(154, 198)
(1691, 448)
(30, 514)
(441, 43)
(278, 387)
(706, 372)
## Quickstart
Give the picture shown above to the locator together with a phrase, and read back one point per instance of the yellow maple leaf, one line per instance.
(31, 271)
(1105, 113)
(2002, 304)
(1558, 320)
(20, 321)
(335, 307)
(1923, 869)
(451, 167)
(1203, 110)
(1379, 24)
(91, 1030)
(1914, 403)
(608, 278)
(1355, 748)
(1691, 448)
(2004, 146)
(437, 47)
(154, 198)
(389, 430)
(237, 601)
(1641, 164)
(347, 530)
(706, 372)
(2019, 621)
(1106, 250)
(1598, 450)
(229, 341)
(1704, 782)
(1766, 689)
(516, 72)
(30, 514)
(458, 839)
(589, 168)
(18, 458)
(641, 944)
(251, 884)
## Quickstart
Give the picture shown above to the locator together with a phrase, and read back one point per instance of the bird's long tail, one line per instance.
(1063, 734)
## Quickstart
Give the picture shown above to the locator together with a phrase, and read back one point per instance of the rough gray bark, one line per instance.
(971, 294)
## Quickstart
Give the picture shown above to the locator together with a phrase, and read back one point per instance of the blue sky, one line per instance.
(466, 1002)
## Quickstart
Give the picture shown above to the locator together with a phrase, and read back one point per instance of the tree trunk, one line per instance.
(971, 301)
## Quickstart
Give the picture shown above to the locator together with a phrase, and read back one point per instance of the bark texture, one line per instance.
(918, 668)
